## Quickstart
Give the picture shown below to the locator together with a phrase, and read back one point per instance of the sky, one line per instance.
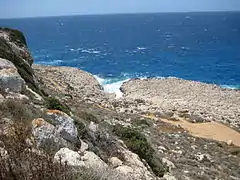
(35, 8)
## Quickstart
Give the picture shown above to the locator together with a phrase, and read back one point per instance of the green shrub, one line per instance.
(88, 117)
(80, 127)
(235, 151)
(54, 104)
(138, 144)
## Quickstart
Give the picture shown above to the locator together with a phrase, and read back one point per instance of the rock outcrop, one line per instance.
(10, 80)
(13, 47)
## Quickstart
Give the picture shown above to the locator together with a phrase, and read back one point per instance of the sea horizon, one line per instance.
(198, 46)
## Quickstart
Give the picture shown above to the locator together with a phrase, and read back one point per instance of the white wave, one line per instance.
(110, 86)
(115, 88)
(90, 51)
(100, 80)
(141, 48)
(230, 86)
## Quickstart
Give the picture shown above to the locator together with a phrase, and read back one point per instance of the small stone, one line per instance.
(169, 177)
(168, 163)
(115, 162)
(84, 147)
(125, 169)
(229, 142)
(93, 127)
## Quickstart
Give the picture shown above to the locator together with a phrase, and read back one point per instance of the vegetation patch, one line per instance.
(88, 116)
(235, 151)
(54, 104)
(138, 143)
(18, 111)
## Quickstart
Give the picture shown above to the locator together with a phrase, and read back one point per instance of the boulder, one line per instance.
(133, 163)
(47, 136)
(72, 158)
(64, 125)
(10, 80)
(93, 161)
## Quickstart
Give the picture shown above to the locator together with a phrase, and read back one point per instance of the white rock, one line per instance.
(9, 77)
(1, 99)
(84, 147)
(3, 153)
(65, 125)
(91, 160)
(125, 170)
(46, 135)
(132, 160)
(115, 162)
(72, 158)
(93, 127)
(229, 142)
(36, 95)
(168, 163)
(169, 177)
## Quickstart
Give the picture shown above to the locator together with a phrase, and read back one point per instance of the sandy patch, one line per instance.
(210, 130)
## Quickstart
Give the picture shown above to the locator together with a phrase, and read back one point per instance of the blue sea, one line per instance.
(195, 46)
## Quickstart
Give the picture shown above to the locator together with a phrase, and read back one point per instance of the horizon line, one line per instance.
(128, 13)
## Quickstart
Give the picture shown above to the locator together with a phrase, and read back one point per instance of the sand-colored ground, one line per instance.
(209, 130)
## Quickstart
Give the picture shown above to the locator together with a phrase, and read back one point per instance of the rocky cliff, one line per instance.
(77, 131)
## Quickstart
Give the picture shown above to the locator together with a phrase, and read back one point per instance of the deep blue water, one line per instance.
(195, 46)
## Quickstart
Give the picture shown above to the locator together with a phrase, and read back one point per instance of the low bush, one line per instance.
(54, 104)
(88, 116)
(138, 144)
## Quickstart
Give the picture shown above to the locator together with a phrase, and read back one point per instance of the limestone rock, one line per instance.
(13, 47)
(127, 170)
(93, 161)
(9, 78)
(115, 162)
(65, 125)
(72, 158)
(84, 147)
(1, 98)
(169, 177)
(46, 135)
(133, 161)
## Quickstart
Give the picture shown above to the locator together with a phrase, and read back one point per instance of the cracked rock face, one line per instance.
(61, 133)
(13, 47)
(10, 80)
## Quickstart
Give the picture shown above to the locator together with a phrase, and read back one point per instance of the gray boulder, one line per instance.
(10, 80)
(65, 125)
(46, 135)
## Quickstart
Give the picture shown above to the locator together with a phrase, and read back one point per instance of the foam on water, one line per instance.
(230, 86)
(111, 85)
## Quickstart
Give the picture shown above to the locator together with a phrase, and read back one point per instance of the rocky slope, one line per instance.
(75, 122)
(198, 102)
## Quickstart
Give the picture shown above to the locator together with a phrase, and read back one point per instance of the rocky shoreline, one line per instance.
(62, 113)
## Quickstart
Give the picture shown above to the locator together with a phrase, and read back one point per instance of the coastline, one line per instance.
(146, 134)
(197, 102)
